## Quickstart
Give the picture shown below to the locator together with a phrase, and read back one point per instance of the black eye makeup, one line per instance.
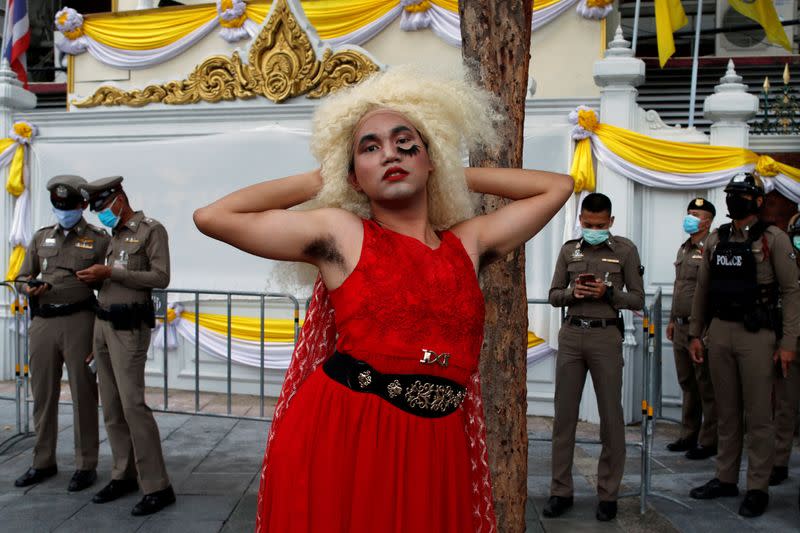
(411, 151)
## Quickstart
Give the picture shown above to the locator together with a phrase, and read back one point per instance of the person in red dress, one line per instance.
(379, 426)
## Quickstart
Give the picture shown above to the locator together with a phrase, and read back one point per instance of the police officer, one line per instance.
(787, 392)
(699, 419)
(61, 332)
(595, 277)
(136, 262)
(748, 269)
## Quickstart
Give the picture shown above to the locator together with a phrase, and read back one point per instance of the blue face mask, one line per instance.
(107, 216)
(67, 218)
(796, 241)
(595, 236)
(691, 224)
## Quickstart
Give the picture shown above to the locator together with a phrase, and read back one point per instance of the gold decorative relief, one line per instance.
(281, 64)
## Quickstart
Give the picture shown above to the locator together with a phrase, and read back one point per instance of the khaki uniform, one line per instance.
(698, 417)
(139, 255)
(66, 339)
(740, 361)
(787, 397)
(596, 346)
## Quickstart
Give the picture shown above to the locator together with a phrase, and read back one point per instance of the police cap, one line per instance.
(746, 183)
(794, 225)
(701, 204)
(65, 191)
(98, 191)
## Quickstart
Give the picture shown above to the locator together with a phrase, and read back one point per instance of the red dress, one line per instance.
(346, 461)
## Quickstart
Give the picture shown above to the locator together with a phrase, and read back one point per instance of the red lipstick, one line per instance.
(394, 174)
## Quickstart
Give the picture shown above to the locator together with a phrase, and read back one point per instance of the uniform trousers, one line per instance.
(54, 342)
(698, 414)
(742, 372)
(132, 430)
(787, 396)
(598, 351)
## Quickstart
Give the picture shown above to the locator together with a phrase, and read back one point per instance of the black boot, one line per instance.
(701, 452)
(154, 502)
(35, 475)
(116, 488)
(754, 503)
(714, 489)
(606, 511)
(82, 479)
(557, 505)
(682, 445)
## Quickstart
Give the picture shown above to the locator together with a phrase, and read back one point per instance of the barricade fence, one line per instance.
(196, 299)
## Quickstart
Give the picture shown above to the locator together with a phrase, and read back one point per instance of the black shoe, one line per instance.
(557, 505)
(682, 445)
(754, 503)
(606, 511)
(82, 479)
(701, 452)
(778, 475)
(116, 488)
(35, 475)
(154, 502)
(714, 489)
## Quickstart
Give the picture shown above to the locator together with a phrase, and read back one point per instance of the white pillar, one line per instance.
(12, 98)
(618, 74)
(730, 107)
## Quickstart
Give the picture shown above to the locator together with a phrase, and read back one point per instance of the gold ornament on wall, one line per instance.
(281, 64)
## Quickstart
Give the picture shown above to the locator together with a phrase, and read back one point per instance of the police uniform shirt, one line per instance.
(615, 261)
(778, 267)
(57, 257)
(139, 259)
(687, 264)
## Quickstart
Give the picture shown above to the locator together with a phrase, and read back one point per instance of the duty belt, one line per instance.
(418, 394)
(591, 322)
(54, 310)
(682, 320)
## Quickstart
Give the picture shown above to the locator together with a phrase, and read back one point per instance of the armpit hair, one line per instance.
(324, 249)
(487, 258)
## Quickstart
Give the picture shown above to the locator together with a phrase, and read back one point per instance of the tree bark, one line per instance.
(496, 39)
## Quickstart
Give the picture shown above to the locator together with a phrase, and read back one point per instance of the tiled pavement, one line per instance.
(214, 461)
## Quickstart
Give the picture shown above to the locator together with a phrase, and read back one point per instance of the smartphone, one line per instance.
(33, 283)
(583, 279)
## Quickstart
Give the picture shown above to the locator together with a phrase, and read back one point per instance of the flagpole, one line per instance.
(6, 31)
(635, 37)
(695, 61)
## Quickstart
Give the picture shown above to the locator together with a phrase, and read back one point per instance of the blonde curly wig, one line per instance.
(450, 112)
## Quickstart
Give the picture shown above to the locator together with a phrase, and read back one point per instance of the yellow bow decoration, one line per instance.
(225, 5)
(418, 8)
(15, 262)
(766, 167)
(582, 170)
(599, 3)
(62, 22)
(587, 119)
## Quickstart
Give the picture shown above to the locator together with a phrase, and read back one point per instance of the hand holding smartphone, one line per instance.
(585, 279)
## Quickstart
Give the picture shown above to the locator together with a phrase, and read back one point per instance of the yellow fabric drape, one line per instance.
(534, 340)
(145, 31)
(582, 170)
(333, 18)
(15, 262)
(16, 184)
(246, 328)
(671, 156)
(452, 5)
(670, 16)
(763, 12)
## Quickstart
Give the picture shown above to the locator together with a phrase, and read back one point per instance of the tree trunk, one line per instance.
(496, 38)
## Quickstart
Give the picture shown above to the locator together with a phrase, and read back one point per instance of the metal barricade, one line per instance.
(21, 367)
(262, 298)
(641, 445)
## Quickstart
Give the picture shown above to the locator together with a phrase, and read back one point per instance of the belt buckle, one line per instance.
(585, 324)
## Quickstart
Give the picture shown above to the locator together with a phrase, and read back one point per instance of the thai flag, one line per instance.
(17, 37)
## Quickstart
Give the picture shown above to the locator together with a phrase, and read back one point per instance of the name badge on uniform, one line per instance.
(122, 260)
(86, 244)
(132, 240)
(577, 253)
(609, 260)
(49, 241)
(697, 257)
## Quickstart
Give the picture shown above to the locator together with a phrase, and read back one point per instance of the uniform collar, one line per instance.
(133, 222)
(78, 228)
(609, 242)
(700, 244)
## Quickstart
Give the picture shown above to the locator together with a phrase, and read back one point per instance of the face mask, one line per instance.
(691, 224)
(740, 207)
(107, 216)
(595, 236)
(67, 218)
(796, 241)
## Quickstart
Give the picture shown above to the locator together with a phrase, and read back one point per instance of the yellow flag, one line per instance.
(670, 16)
(763, 12)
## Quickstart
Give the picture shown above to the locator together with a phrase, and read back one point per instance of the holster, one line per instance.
(128, 316)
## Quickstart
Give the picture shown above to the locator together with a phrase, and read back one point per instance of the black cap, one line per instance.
(701, 204)
(65, 191)
(746, 183)
(794, 225)
(98, 191)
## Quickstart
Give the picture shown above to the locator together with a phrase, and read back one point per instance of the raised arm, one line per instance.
(537, 196)
(256, 219)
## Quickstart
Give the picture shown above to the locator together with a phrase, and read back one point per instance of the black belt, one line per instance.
(54, 310)
(591, 322)
(418, 394)
(127, 316)
(682, 320)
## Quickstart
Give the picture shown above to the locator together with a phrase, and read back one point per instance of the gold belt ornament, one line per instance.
(429, 357)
